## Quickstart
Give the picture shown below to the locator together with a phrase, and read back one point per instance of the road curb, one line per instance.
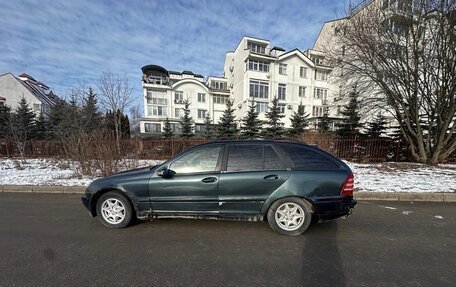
(393, 196)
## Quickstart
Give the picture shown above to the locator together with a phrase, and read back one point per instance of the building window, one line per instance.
(321, 76)
(320, 93)
(200, 128)
(261, 107)
(281, 108)
(317, 111)
(202, 114)
(152, 128)
(256, 48)
(303, 72)
(157, 80)
(177, 112)
(156, 110)
(259, 89)
(282, 92)
(156, 98)
(201, 98)
(283, 69)
(178, 97)
(219, 99)
(255, 65)
(301, 108)
(302, 91)
(218, 85)
(36, 108)
(317, 60)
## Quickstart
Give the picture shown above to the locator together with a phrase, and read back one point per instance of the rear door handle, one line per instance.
(271, 177)
(209, 179)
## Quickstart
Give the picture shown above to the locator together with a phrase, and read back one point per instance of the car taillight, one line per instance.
(347, 189)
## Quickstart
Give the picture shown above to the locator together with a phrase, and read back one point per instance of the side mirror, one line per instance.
(166, 173)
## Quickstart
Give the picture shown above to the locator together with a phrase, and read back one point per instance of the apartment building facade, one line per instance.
(164, 94)
(254, 72)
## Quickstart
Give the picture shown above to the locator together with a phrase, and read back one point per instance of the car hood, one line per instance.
(120, 178)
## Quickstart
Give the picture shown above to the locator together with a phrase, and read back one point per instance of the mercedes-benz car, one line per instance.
(284, 182)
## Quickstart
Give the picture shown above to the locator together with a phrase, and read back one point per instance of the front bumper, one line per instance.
(334, 207)
(87, 203)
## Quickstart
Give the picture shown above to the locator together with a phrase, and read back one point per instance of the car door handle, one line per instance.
(271, 177)
(209, 179)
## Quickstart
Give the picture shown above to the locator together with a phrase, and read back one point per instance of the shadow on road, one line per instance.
(322, 265)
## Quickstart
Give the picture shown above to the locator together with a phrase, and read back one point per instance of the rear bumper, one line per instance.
(334, 207)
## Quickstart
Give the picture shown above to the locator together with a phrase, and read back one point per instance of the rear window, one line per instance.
(306, 158)
(252, 158)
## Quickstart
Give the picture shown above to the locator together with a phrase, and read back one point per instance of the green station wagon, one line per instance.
(285, 183)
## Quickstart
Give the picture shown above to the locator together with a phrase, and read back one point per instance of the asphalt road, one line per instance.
(50, 240)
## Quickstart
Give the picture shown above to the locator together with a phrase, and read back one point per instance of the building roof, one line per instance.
(150, 68)
(38, 89)
(2, 98)
(278, 49)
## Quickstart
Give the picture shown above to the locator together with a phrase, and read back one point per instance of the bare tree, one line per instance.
(405, 52)
(135, 113)
(116, 96)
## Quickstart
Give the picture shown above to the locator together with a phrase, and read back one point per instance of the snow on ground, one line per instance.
(404, 177)
(381, 177)
(47, 172)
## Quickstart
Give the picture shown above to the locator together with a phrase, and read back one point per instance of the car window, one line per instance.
(200, 160)
(305, 158)
(271, 159)
(245, 157)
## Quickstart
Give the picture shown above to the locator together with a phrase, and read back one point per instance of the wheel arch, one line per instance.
(97, 195)
(270, 201)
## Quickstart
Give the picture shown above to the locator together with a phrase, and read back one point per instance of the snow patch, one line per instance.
(438, 216)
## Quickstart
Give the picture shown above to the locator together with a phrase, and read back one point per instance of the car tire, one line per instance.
(290, 216)
(114, 210)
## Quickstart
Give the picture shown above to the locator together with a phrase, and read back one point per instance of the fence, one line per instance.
(358, 149)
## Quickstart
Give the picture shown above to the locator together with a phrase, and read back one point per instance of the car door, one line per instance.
(193, 186)
(251, 172)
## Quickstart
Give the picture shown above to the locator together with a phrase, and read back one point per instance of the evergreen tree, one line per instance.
(251, 125)
(226, 124)
(72, 122)
(167, 130)
(351, 123)
(208, 127)
(5, 117)
(22, 124)
(55, 121)
(323, 125)
(299, 122)
(186, 121)
(274, 126)
(41, 127)
(377, 127)
(124, 125)
(90, 114)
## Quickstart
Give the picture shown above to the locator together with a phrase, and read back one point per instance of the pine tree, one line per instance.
(299, 122)
(124, 125)
(208, 127)
(22, 125)
(90, 114)
(226, 124)
(5, 117)
(186, 121)
(41, 127)
(251, 125)
(351, 124)
(55, 120)
(167, 130)
(377, 127)
(323, 125)
(274, 126)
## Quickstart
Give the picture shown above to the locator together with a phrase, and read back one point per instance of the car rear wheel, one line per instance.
(114, 210)
(290, 216)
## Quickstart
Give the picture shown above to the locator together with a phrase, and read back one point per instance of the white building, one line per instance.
(254, 71)
(39, 96)
(165, 92)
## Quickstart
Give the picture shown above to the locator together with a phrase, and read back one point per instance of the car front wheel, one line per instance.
(114, 210)
(289, 216)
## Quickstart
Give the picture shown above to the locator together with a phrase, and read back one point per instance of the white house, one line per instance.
(39, 96)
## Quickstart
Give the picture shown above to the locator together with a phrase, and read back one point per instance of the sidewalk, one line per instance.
(393, 196)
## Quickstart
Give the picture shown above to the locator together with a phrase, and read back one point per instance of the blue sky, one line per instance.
(64, 43)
